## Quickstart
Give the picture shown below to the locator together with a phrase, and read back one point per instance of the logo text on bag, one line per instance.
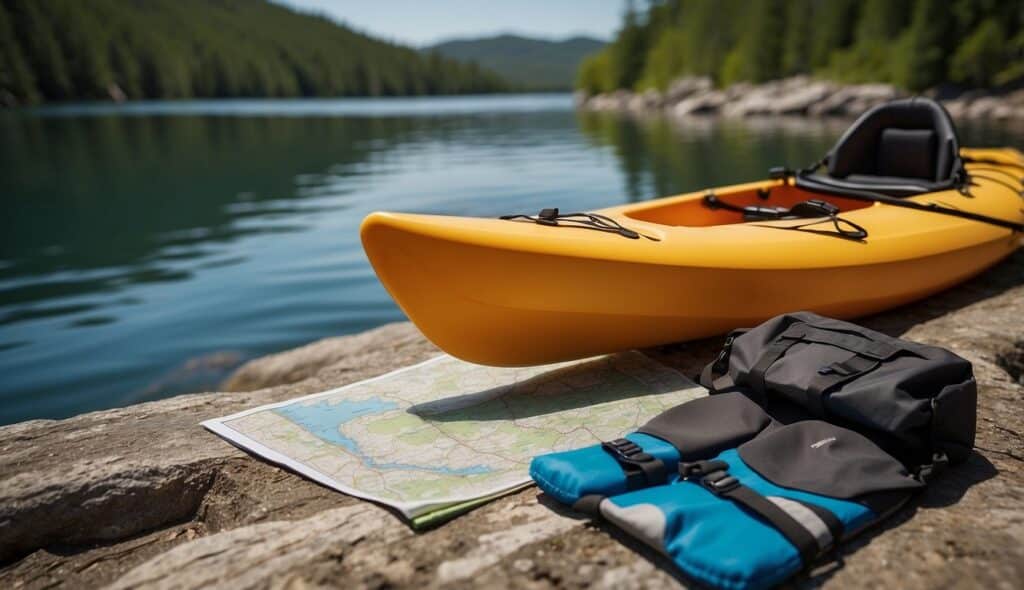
(823, 442)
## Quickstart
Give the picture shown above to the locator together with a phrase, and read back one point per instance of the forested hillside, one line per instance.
(914, 44)
(531, 64)
(98, 49)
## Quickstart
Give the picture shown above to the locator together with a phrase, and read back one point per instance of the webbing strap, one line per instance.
(712, 383)
(722, 484)
(641, 469)
(832, 522)
(714, 376)
(805, 182)
(835, 374)
(860, 345)
(774, 352)
(857, 343)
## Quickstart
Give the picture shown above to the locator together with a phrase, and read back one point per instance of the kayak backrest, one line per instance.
(909, 139)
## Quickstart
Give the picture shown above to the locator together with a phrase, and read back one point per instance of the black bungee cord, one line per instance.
(594, 221)
(813, 209)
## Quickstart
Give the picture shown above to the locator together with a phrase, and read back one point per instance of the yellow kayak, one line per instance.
(509, 293)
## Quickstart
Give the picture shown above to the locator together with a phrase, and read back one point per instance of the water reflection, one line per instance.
(146, 253)
(665, 155)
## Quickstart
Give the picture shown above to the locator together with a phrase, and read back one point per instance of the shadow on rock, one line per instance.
(587, 384)
(1002, 277)
(950, 486)
(945, 491)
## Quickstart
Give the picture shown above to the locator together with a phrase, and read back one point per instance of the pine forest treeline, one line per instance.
(53, 50)
(914, 44)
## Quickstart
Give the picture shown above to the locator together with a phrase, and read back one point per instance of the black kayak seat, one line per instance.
(900, 148)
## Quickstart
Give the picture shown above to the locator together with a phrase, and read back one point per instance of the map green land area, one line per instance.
(443, 436)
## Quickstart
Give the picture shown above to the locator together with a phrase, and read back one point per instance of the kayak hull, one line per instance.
(510, 294)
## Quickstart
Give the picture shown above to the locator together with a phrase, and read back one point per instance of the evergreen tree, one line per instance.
(912, 43)
(869, 58)
(70, 49)
(796, 46)
(981, 56)
(36, 36)
(629, 50)
(711, 28)
(833, 29)
(17, 85)
(922, 53)
(758, 56)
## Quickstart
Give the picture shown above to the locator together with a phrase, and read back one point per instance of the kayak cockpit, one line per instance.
(693, 210)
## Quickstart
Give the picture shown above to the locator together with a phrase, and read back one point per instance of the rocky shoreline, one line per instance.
(795, 96)
(142, 496)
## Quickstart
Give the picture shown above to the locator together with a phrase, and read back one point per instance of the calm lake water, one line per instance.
(148, 249)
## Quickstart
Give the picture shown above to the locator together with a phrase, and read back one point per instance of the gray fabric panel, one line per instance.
(825, 459)
(703, 427)
(646, 522)
(808, 519)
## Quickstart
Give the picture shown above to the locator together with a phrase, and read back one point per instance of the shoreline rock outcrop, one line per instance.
(142, 496)
(795, 96)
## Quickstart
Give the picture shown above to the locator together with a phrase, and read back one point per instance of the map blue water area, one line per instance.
(324, 419)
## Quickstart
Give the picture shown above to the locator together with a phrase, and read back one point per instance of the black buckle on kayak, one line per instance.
(814, 208)
(720, 482)
(548, 216)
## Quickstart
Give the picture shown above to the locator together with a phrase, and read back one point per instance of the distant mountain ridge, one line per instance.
(533, 64)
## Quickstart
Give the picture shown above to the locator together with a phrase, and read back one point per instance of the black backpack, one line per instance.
(916, 401)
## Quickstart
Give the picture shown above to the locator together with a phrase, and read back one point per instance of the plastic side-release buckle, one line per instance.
(696, 468)
(626, 450)
(722, 361)
(720, 482)
(928, 472)
(641, 469)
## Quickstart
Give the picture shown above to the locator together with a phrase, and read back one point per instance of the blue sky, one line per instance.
(422, 22)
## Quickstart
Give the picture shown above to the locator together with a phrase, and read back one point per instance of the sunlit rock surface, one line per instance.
(144, 497)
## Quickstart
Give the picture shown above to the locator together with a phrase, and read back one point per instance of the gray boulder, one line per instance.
(701, 103)
(686, 87)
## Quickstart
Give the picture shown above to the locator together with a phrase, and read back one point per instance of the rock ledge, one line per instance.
(796, 96)
(144, 497)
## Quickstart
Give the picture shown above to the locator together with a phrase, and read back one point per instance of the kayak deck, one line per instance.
(516, 293)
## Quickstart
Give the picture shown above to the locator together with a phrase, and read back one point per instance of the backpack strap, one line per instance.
(835, 374)
(776, 350)
(714, 376)
(867, 355)
(926, 473)
(857, 343)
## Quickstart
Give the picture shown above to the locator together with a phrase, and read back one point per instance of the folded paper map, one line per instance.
(438, 438)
